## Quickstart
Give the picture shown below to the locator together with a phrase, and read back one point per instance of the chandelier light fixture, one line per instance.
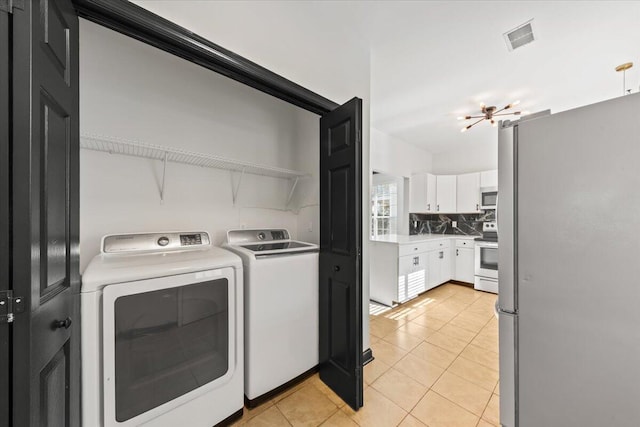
(489, 112)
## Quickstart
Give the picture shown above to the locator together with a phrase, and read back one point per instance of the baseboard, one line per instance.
(457, 282)
(367, 356)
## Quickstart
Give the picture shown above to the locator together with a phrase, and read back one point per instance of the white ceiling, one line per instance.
(433, 61)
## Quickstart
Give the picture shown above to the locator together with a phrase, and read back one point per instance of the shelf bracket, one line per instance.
(236, 188)
(164, 172)
(293, 187)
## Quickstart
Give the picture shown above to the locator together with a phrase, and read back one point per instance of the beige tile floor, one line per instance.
(436, 365)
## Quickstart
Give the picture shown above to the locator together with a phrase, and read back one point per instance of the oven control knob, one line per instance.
(163, 241)
(261, 235)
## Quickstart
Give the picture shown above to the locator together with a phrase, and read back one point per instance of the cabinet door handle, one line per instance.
(438, 208)
(457, 252)
(477, 207)
(416, 260)
(429, 206)
(441, 255)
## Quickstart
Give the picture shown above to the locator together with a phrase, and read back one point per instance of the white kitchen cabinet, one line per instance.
(468, 193)
(422, 197)
(401, 271)
(434, 267)
(464, 267)
(398, 272)
(446, 193)
(445, 267)
(416, 275)
(439, 264)
(439, 267)
(489, 178)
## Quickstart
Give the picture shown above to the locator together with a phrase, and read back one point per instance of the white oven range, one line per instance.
(486, 260)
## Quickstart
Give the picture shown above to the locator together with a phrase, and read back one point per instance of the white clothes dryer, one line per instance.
(162, 332)
(281, 309)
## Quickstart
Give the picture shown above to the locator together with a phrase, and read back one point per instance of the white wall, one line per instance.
(133, 91)
(477, 157)
(396, 157)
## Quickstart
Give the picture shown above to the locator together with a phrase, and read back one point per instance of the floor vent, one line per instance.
(519, 36)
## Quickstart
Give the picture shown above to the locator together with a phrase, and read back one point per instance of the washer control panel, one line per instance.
(236, 237)
(154, 242)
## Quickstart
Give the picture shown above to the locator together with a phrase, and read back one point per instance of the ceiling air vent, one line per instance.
(519, 36)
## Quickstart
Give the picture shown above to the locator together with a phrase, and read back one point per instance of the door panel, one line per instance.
(54, 150)
(577, 288)
(446, 193)
(339, 184)
(468, 192)
(5, 230)
(54, 386)
(340, 275)
(45, 208)
(432, 201)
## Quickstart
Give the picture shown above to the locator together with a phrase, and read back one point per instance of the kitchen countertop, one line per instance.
(402, 239)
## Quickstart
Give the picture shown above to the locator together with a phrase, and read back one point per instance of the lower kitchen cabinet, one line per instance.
(412, 276)
(464, 268)
(400, 272)
(439, 267)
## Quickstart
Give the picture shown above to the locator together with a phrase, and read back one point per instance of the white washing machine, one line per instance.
(281, 309)
(162, 332)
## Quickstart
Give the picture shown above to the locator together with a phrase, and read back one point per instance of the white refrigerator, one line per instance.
(569, 265)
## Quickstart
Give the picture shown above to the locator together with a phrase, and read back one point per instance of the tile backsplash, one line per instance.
(467, 224)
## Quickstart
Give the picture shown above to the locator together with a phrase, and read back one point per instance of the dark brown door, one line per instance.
(340, 251)
(45, 209)
(5, 249)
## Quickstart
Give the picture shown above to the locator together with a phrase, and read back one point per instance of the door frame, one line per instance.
(134, 21)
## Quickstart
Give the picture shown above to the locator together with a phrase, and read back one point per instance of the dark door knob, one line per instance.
(59, 324)
(336, 268)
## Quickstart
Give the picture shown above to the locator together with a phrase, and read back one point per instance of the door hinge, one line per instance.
(9, 5)
(9, 306)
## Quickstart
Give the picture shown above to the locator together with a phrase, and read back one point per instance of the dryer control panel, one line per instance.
(237, 237)
(154, 242)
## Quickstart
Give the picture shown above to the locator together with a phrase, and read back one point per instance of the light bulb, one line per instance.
(515, 103)
(464, 129)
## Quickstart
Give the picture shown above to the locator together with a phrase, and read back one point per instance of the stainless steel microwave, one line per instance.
(489, 197)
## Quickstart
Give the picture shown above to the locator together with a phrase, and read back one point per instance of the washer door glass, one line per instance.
(169, 342)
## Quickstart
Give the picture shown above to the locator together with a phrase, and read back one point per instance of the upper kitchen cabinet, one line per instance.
(446, 193)
(468, 193)
(489, 178)
(423, 193)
